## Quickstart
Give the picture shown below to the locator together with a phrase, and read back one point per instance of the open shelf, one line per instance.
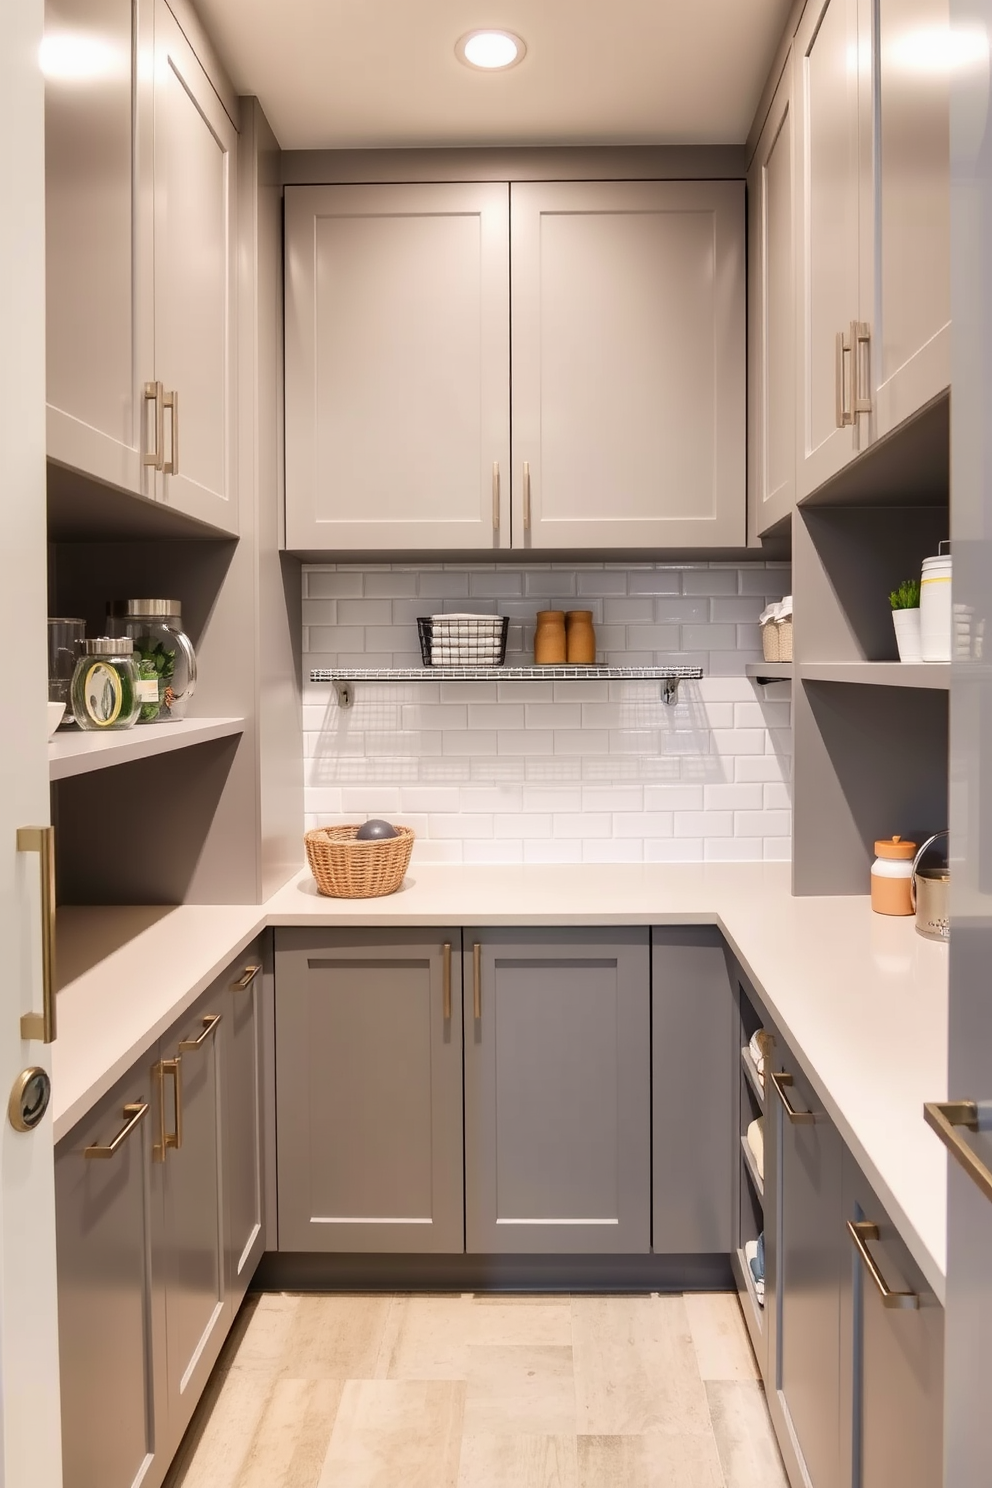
(343, 678)
(754, 1313)
(77, 752)
(751, 1074)
(763, 672)
(752, 1170)
(935, 675)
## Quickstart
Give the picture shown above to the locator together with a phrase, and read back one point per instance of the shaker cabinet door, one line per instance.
(242, 1048)
(397, 367)
(628, 312)
(369, 1090)
(557, 1091)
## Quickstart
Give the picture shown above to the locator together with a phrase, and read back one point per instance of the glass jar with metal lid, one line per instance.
(163, 653)
(105, 684)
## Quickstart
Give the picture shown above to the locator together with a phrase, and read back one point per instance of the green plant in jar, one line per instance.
(156, 662)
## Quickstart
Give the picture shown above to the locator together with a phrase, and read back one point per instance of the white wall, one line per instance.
(553, 772)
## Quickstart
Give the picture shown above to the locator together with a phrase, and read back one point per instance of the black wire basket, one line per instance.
(463, 640)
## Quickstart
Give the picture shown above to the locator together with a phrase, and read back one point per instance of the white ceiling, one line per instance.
(354, 73)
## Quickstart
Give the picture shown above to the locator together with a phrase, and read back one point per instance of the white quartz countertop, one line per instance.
(861, 999)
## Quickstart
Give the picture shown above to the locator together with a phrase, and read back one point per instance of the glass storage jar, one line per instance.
(105, 684)
(163, 653)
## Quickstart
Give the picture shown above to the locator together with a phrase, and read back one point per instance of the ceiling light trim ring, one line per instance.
(464, 49)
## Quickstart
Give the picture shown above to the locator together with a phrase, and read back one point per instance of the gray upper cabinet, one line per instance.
(557, 1091)
(111, 1324)
(369, 1090)
(628, 315)
(244, 1163)
(694, 1056)
(771, 302)
(397, 357)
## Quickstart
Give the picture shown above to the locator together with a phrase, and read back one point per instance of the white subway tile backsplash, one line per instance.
(583, 824)
(555, 850)
(709, 581)
(324, 584)
(733, 797)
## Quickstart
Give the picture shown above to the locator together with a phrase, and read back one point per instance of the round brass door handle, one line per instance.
(29, 1098)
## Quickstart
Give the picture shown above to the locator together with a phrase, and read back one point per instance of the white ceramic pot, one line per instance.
(935, 609)
(907, 627)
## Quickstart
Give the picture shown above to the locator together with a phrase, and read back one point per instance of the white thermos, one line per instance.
(935, 607)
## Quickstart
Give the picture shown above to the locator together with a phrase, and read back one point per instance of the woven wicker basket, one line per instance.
(346, 869)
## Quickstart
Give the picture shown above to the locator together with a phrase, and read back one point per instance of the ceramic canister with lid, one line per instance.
(935, 608)
(892, 877)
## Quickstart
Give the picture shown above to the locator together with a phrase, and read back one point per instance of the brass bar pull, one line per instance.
(133, 1116)
(171, 466)
(943, 1117)
(155, 457)
(495, 495)
(845, 346)
(526, 495)
(41, 840)
(861, 1231)
(446, 976)
(247, 977)
(861, 363)
(782, 1083)
(167, 1139)
(477, 979)
(209, 1024)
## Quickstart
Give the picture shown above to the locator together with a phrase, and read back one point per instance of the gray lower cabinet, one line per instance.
(694, 1087)
(248, 1001)
(557, 1091)
(893, 1329)
(369, 1090)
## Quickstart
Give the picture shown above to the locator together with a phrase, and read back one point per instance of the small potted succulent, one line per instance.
(905, 602)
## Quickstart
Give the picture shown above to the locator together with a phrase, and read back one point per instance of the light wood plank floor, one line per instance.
(483, 1392)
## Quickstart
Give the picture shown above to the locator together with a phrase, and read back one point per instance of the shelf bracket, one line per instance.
(670, 690)
(345, 692)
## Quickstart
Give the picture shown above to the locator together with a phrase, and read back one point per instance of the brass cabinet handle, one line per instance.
(526, 495)
(155, 457)
(845, 347)
(247, 977)
(134, 1114)
(209, 1024)
(446, 974)
(782, 1083)
(861, 361)
(943, 1117)
(41, 840)
(861, 1231)
(495, 495)
(171, 466)
(477, 979)
(167, 1139)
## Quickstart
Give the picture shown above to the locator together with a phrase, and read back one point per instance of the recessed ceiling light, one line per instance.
(490, 51)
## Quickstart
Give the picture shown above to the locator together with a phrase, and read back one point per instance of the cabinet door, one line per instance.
(894, 1356)
(194, 297)
(190, 1252)
(694, 1063)
(911, 208)
(628, 311)
(808, 1255)
(557, 1091)
(243, 1130)
(111, 1338)
(772, 298)
(826, 85)
(369, 1090)
(397, 367)
(99, 330)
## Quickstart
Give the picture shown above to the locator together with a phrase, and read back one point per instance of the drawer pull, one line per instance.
(861, 1231)
(133, 1116)
(782, 1083)
(209, 1024)
(446, 975)
(944, 1117)
(167, 1139)
(477, 979)
(247, 977)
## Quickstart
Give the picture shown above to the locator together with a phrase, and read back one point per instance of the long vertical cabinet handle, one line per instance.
(171, 466)
(155, 457)
(861, 1231)
(446, 979)
(167, 1139)
(526, 495)
(861, 367)
(845, 344)
(477, 980)
(495, 495)
(41, 840)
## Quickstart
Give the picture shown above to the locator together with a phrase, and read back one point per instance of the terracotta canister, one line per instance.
(892, 877)
(580, 638)
(549, 638)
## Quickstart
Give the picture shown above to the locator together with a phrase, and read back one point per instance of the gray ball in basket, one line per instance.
(345, 868)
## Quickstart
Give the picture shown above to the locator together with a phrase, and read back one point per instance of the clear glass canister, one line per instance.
(163, 653)
(105, 684)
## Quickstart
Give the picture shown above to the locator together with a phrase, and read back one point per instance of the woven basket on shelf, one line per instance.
(347, 869)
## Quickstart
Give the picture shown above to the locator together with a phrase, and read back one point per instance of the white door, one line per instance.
(30, 1449)
(772, 295)
(194, 206)
(397, 367)
(827, 237)
(910, 207)
(628, 314)
(968, 1390)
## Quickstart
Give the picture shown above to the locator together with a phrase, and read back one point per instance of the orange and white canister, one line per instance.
(892, 876)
